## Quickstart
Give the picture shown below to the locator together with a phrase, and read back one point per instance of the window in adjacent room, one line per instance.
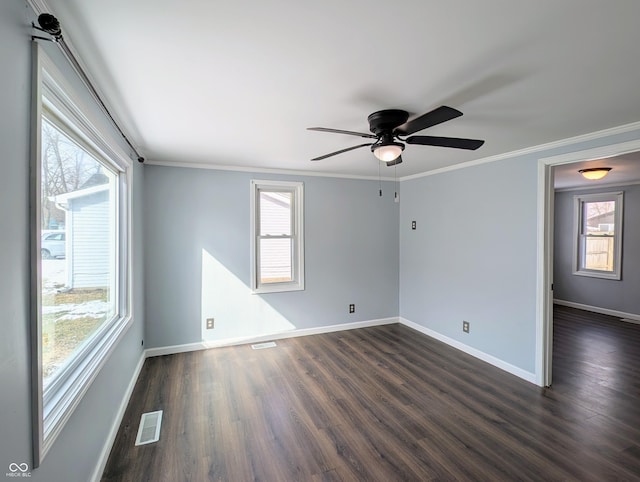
(277, 258)
(598, 235)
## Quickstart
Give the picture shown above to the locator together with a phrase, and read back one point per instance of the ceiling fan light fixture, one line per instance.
(391, 125)
(388, 151)
(595, 173)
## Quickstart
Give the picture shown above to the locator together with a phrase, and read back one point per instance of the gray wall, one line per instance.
(74, 454)
(197, 256)
(621, 295)
(472, 257)
(474, 254)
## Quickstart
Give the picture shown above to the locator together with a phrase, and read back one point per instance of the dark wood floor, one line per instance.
(387, 403)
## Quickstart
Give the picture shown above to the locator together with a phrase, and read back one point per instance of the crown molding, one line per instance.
(463, 165)
(598, 187)
(263, 170)
(532, 150)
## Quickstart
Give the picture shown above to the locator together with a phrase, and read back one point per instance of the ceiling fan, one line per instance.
(389, 128)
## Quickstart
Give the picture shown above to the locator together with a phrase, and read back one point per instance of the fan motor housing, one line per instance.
(387, 120)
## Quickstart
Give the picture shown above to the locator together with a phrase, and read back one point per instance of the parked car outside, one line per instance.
(53, 245)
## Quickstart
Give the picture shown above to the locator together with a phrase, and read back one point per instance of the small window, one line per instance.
(277, 260)
(598, 235)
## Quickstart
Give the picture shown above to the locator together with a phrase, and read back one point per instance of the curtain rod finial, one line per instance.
(49, 23)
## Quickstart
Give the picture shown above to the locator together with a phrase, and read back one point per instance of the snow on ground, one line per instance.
(54, 278)
(90, 309)
(54, 275)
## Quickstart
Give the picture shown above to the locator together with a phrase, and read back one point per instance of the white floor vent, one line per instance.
(149, 429)
(262, 346)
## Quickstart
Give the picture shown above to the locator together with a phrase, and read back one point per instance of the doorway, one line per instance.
(544, 308)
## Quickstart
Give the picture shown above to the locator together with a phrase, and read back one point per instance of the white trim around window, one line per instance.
(55, 100)
(279, 204)
(606, 231)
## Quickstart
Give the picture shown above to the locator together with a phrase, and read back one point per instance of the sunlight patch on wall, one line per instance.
(238, 313)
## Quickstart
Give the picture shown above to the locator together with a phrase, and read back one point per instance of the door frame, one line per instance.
(544, 288)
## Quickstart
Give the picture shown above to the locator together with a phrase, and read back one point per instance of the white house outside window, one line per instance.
(277, 257)
(598, 235)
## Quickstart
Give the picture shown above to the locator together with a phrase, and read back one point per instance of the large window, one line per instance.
(598, 235)
(80, 250)
(78, 213)
(277, 258)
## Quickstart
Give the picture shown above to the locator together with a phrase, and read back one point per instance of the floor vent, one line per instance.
(262, 346)
(149, 429)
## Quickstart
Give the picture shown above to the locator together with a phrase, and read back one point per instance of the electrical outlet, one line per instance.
(209, 323)
(465, 326)
(352, 308)
(413, 225)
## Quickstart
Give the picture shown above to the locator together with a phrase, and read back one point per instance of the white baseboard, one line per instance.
(627, 317)
(115, 426)
(514, 370)
(204, 345)
(173, 349)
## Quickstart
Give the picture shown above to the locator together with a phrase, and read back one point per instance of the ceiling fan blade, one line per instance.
(339, 152)
(435, 117)
(338, 131)
(455, 142)
(396, 161)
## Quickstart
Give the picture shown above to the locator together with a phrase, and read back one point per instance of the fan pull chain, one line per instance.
(379, 181)
(396, 197)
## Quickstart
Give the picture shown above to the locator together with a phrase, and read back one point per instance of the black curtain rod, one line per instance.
(49, 24)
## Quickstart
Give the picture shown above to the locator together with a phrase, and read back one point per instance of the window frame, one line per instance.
(54, 96)
(579, 238)
(297, 235)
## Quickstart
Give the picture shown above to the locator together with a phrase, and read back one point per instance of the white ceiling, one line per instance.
(237, 83)
(625, 169)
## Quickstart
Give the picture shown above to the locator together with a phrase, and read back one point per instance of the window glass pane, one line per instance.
(599, 253)
(78, 248)
(275, 260)
(275, 213)
(598, 218)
